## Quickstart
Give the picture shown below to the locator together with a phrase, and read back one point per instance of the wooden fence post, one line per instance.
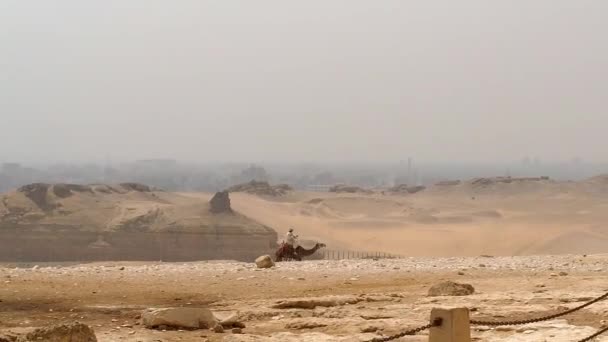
(455, 325)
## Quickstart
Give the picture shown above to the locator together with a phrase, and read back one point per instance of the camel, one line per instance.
(286, 252)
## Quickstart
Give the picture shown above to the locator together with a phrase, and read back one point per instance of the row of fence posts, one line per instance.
(341, 255)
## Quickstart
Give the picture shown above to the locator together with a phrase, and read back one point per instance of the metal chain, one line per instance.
(598, 333)
(436, 323)
(540, 319)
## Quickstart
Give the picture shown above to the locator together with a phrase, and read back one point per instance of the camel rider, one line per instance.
(291, 239)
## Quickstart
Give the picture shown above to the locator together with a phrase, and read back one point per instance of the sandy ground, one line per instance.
(390, 295)
(464, 221)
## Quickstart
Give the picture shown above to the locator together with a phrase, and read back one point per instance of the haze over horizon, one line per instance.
(303, 81)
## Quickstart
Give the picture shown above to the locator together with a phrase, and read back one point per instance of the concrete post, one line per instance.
(455, 325)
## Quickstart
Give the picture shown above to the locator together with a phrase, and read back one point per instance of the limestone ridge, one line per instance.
(129, 221)
(261, 189)
(38, 193)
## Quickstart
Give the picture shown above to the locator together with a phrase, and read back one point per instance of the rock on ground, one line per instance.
(311, 303)
(8, 338)
(450, 288)
(75, 332)
(265, 261)
(306, 324)
(229, 319)
(188, 318)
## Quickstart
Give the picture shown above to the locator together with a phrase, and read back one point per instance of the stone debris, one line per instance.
(187, 318)
(358, 317)
(305, 324)
(369, 329)
(311, 303)
(229, 319)
(74, 332)
(450, 288)
(344, 268)
(264, 261)
(8, 337)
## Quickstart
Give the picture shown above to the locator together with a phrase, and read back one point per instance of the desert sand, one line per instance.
(528, 247)
(468, 219)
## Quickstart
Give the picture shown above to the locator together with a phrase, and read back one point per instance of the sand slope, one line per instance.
(467, 219)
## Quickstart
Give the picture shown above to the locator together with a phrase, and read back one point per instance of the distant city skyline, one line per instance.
(177, 176)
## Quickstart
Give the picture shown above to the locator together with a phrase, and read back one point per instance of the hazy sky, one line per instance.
(303, 80)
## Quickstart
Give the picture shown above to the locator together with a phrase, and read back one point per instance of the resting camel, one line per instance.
(286, 252)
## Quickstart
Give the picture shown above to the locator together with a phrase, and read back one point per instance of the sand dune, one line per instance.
(536, 216)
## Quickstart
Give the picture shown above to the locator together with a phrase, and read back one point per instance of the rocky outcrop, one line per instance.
(405, 189)
(66, 222)
(351, 189)
(220, 203)
(448, 183)
(37, 193)
(450, 288)
(265, 261)
(66, 190)
(507, 180)
(136, 187)
(261, 188)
